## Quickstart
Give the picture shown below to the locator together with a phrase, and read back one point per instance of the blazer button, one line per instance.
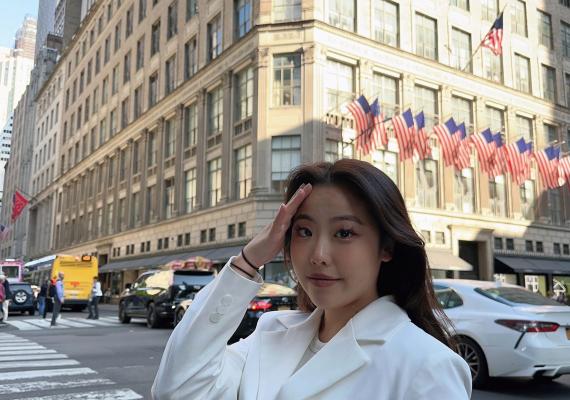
(215, 317)
(226, 300)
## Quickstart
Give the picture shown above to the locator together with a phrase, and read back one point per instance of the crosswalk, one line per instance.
(34, 324)
(30, 371)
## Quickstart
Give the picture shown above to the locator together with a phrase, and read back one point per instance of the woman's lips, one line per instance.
(322, 280)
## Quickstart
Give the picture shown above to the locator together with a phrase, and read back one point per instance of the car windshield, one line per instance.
(11, 271)
(194, 279)
(516, 296)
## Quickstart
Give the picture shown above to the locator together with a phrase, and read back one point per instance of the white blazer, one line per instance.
(378, 354)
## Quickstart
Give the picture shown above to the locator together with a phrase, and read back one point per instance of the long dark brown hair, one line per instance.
(407, 275)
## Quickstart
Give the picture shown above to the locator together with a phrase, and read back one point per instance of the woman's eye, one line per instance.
(303, 232)
(345, 233)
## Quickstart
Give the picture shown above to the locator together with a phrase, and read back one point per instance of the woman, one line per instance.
(369, 325)
(42, 298)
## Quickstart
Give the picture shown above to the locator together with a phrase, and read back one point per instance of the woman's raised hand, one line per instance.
(269, 242)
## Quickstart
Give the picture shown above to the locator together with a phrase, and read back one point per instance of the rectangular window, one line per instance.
(387, 162)
(333, 150)
(187, 239)
(102, 131)
(155, 38)
(136, 155)
(386, 89)
(426, 37)
(548, 83)
(565, 249)
(556, 248)
(212, 234)
(492, 66)
(241, 229)
(190, 190)
(113, 122)
(122, 165)
(169, 194)
(231, 231)
(191, 8)
(140, 53)
(152, 89)
(285, 155)
(190, 59)
(170, 71)
(214, 181)
(286, 10)
(104, 90)
(497, 196)
(529, 246)
(169, 138)
(386, 23)
(550, 133)
(527, 199)
(510, 244)
(489, 10)
(150, 204)
(524, 126)
(215, 111)
(463, 4)
(214, 38)
(243, 171)
(151, 149)
(190, 126)
(464, 188)
(129, 22)
(461, 50)
(567, 87)
(137, 106)
(555, 206)
(565, 36)
(124, 113)
(115, 80)
(342, 14)
(243, 17)
(203, 236)
(172, 21)
(427, 183)
(110, 172)
(339, 84)
(522, 73)
(287, 80)
(495, 119)
(117, 36)
(142, 9)
(539, 247)
(498, 243)
(107, 50)
(244, 95)
(127, 68)
(518, 18)
(545, 29)
(426, 99)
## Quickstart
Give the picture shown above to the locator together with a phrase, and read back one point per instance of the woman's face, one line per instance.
(335, 249)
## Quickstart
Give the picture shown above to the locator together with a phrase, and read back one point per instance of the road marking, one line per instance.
(22, 352)
(7, 335)
(95, 322)
(22, 387)
(37, 364)
(42, 323)
(28, 357)
(43, 373)
(110, 319)
(24, 326)
(116, 394)
(14, 341)
(73, 323)
(30, 346)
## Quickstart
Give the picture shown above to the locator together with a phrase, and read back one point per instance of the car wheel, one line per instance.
(123, 317)
(474, 357)
(152, 319)
(178, 317)
(20, 297)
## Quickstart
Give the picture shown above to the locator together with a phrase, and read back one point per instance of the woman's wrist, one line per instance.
(242, 267)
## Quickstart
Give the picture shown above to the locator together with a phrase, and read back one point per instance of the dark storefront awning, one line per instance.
(532, 265)
(219, 255)
(444, 259)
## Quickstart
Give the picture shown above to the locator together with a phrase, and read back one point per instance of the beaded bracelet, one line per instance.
(247, 261)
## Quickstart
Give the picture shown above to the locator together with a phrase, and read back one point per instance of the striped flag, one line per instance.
(564, 168)
(380, 134)
(497, 164)
(547, 162)
(447, 143)
(405, 131)
(360, 110)
(421, 142)
(485, 146)
(463, 157)
(517, 161)
(494, 38)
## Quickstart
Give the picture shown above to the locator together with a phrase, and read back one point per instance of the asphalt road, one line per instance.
(118, 362)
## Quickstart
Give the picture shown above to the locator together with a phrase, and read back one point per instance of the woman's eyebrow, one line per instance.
(347, 217)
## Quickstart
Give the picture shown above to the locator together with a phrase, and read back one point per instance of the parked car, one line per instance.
(505, 330)
(155, 294)
(180, 310)
(23, 298)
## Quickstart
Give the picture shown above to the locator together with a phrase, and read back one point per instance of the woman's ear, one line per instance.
(386, 255)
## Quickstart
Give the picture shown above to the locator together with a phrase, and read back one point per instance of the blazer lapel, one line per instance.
(281, 351)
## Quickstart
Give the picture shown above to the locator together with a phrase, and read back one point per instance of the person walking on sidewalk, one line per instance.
(96, 294)
(42, 297)
(58, 299)
(2, 299)
(7, 298)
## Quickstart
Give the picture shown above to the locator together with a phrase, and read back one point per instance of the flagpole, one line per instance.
(366, 132)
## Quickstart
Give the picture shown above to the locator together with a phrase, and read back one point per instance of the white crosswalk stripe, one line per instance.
(34, 324)
(30, 370)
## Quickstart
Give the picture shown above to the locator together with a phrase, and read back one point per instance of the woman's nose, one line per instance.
(321, 252)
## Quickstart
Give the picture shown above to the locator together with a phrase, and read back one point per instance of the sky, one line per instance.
(12, 13)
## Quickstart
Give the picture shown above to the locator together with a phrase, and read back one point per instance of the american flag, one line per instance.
(497, 164)
(494, 38)
(463, 157)
(444, 133)
(564, 168)
(360, 110)
(518, 162)
(547, 161)
(485, 146)
(380, 134)
(421, 142)
(405, 131)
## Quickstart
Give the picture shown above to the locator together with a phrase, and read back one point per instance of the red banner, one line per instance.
(19, 202)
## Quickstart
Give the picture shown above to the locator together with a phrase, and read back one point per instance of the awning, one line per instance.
(444, 259)
(218, 255)
(532, 265)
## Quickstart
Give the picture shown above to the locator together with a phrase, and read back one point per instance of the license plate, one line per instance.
(568, 333)
(281, 308)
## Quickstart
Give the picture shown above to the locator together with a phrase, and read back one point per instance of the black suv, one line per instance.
(155, 294)
(23, 298)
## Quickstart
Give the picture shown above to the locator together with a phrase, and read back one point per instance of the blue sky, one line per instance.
(12, 13)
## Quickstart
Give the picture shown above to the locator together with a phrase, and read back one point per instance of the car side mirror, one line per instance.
(128, 286)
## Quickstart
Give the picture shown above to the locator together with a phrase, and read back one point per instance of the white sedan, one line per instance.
(505, 330)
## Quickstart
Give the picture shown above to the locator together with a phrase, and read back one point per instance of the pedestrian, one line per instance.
(369, 325)
(2, 299)
(42, 298)
(58, 298)
(93, 304)
(7, 298)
